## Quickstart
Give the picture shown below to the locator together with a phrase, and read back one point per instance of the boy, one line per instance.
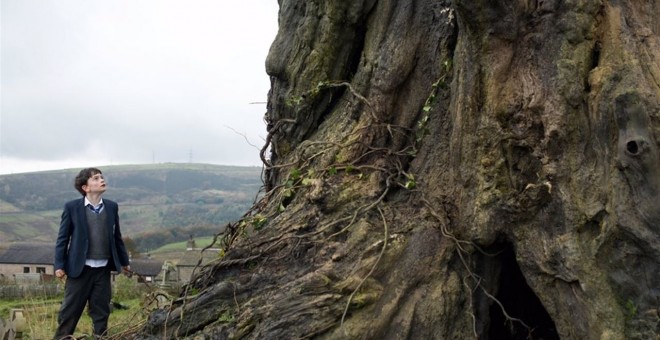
(88, 247)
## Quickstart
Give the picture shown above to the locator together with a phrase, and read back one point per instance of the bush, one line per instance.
(126, 288)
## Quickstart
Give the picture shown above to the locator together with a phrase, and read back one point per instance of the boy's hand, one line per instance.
(127, 271)
(60, 273)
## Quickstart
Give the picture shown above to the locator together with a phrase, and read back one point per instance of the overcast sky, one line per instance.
(108, 82)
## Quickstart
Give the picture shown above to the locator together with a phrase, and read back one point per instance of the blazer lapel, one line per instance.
(82, 216)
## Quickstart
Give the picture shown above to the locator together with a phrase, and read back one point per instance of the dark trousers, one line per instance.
(92, 286)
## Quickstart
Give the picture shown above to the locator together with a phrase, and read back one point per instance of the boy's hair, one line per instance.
(82, 178)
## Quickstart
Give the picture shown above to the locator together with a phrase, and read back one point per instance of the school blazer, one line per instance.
(72, 242)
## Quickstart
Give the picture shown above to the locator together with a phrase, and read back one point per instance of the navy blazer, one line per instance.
(72, 242)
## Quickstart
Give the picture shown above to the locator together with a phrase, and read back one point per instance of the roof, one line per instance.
(146, 267)
(27, 253)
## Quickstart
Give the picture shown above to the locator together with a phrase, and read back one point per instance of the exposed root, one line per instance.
(373, 268)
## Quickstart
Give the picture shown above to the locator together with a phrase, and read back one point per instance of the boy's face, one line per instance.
(95, 184)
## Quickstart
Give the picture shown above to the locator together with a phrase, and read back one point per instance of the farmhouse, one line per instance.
(146, 269)
(18, 259)
(192, 261)
(178, 266)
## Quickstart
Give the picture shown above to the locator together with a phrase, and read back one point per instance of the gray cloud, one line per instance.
(123, 81)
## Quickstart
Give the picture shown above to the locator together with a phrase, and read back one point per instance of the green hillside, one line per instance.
(159, 203)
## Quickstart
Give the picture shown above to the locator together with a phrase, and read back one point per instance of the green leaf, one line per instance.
(411, 181)
(295, 174)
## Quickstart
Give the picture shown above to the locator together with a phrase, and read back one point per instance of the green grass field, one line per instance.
(41, 317)
(40, 313)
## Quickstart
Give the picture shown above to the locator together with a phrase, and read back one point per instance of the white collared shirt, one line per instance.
(88, 202)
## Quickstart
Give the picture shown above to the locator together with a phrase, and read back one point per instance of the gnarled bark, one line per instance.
(449, 170)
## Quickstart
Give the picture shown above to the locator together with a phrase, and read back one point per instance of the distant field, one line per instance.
(6, 207)
(178, 246)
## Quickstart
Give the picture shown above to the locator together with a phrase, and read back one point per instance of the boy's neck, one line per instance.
(94, 198)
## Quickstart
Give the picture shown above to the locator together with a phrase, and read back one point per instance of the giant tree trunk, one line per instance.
(449, 170)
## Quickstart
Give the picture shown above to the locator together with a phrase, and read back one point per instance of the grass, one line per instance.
(41, 319)
(40, 313)
(6, 207)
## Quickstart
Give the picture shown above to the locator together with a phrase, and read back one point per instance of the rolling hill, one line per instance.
(159, 203)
